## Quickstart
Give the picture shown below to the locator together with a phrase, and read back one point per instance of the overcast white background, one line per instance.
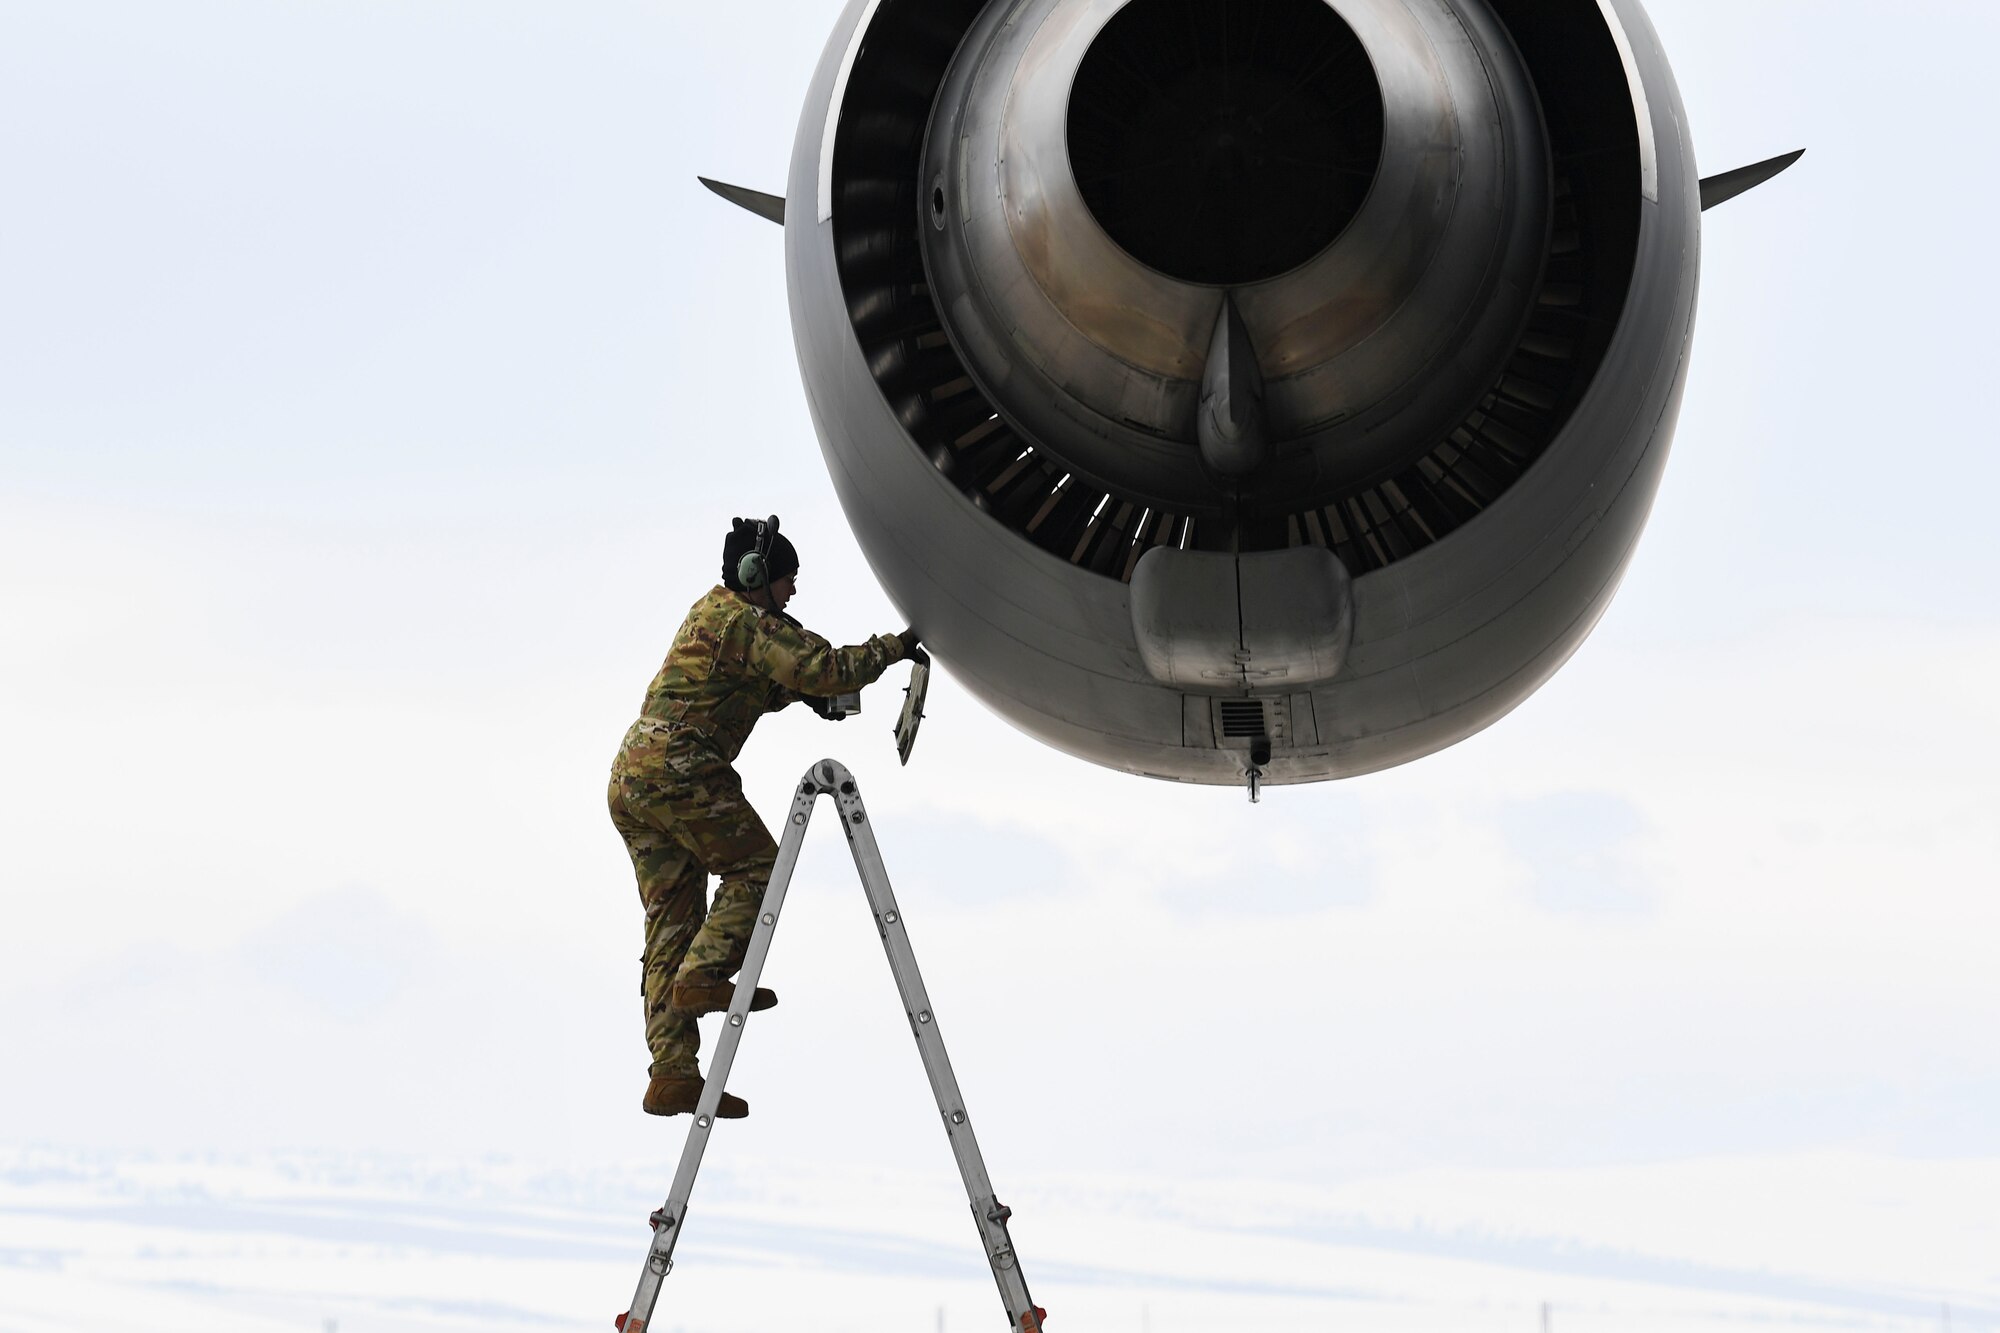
(376, 384)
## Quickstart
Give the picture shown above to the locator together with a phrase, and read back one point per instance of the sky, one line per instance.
(376, 385)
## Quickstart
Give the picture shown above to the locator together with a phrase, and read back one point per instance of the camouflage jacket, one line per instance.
(734, 661)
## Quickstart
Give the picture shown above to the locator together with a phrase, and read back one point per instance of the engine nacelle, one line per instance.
(1233, 384)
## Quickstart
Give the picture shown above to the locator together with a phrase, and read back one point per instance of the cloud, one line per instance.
(1255, 864)
(348, 954)
(260, 650)
(1013, 862)
(1581, 850)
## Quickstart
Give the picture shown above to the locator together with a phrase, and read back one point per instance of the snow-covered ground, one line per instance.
(219, 1244)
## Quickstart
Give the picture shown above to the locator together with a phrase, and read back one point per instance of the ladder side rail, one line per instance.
(667, 1222)
(755, 954)
(988, 1213)
(889, 924)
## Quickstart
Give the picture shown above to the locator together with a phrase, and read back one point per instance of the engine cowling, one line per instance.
(1233, 384)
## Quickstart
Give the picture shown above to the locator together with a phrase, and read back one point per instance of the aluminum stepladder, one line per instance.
(830, 778)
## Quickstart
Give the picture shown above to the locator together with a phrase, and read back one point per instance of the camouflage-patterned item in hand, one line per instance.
(733, 661)
(682, 814)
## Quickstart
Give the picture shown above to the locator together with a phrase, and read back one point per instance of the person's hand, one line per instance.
(912, 643)
(919, 656)
(827, 708)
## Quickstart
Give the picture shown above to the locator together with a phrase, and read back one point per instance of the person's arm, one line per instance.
(780, 696)
(804, 663)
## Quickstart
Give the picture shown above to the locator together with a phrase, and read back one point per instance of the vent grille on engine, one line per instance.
(1242, 719)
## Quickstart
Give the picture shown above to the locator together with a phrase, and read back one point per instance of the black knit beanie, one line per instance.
(741, 541)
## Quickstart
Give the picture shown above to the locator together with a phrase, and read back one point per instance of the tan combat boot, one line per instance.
(696, 996)
(677, 1094)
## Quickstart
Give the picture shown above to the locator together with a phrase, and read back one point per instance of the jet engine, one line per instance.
(1246, 390)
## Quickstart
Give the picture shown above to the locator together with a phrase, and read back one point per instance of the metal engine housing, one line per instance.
(1313, 442)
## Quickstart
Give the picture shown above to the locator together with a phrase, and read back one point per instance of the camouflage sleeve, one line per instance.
(803, 662)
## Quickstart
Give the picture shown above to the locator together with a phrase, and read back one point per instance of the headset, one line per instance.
(753, 571)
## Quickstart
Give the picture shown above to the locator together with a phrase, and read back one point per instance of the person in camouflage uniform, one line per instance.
(679, 804)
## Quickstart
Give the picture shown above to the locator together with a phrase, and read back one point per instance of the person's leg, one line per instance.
(731, 842)
(672, 888)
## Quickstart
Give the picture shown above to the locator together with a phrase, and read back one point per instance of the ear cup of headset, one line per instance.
(753, 571)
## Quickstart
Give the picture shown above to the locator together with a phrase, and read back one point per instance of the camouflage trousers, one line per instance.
(681, 811)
